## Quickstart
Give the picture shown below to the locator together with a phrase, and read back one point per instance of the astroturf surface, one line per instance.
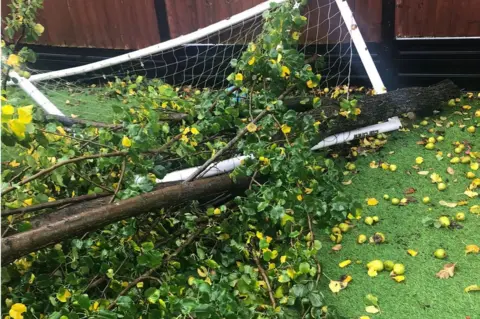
(422, 294)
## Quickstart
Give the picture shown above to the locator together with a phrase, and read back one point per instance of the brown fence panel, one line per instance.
(190, 15)
(437, 18)
(110, 24)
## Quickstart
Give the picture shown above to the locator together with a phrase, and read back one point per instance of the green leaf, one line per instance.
(211, 263)
(304, 268)
(152, 295)
(315, 300)
(261, 207)
(371, 300)
(283, 278)
(83, 301)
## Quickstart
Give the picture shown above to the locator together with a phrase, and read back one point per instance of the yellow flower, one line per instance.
(251, 61)
(357, 111)
(64, 296)
(252, 47)
(194, 131)
(8, 109)
(126, 142)
(17, 310)
(184, 138)
(186, 130)
(239, 77)
(311, 84)
(283, 259)
(286, 129)
(295, 36)
(299, 198)
(372, 202)
(13, 60)
(285, 71)
(25, 114)
(251, 127)
(17, 127)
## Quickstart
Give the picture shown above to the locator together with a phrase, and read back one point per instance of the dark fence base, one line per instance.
(411, 63)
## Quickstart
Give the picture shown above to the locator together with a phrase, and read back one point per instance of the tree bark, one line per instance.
(21, 244)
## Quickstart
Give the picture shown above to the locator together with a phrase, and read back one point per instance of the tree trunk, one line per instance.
(21, 244)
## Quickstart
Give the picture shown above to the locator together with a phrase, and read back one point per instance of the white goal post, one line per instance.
(228, 165)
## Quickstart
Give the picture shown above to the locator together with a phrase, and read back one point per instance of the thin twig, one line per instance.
(90, 181)
(18, 175)
(280, 126)
(56, 203)
(54, 167)
(148, 273)
(120, 180)
(319, 268)
(265, 278)
(78, 139)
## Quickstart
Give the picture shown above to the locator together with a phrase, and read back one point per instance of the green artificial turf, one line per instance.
(421, 295)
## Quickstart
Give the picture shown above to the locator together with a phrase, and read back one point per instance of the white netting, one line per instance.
(205, 62)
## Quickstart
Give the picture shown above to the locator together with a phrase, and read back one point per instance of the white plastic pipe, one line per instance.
(230, 164)
(154, 49)
(214, 169)
(361, 47)
(35, 94)
(392, 125)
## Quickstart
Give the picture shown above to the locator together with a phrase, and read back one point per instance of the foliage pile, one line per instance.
(252, 256)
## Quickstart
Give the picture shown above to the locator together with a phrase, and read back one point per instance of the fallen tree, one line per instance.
(79, 218)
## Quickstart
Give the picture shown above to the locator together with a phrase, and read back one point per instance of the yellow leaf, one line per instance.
(412, 252)
(271, 266)
(25, 114)
(191, 280)
(13, 60)
(474, 166)
(126, 142)
(471, 194)
(423, 173)
(335, 286)
(283, 259)
(372, 202)
(268, 239)
(14, 163)
(140, 285)
(251, 127)
(311, 84)
(373, 164)
(447, 204)
(17, 127)
(195, 131)
(299, 198)
(8, 109)
(239, 77)
(472, 288)
(28, 202)
(308, 191)
(466, 107)
(372, 272)
(399, 278)
(286, 129)
(274, 254)
(17, 310)
(364, 317)
(217, 211)
(295, 36)
(61, 130)
(472, 249)
(357, 111)
(285, 71)
(259, 235)
(435, 178)
(371, 309)
(63, 297)
(344, 263)
(208, 281)
(419, 160)
(251, 61)
(475, 209)
(38, 28)
(291, 273)
(202, 271)
(252, 47)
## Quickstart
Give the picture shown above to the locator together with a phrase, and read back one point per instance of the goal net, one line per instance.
(203, 59)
